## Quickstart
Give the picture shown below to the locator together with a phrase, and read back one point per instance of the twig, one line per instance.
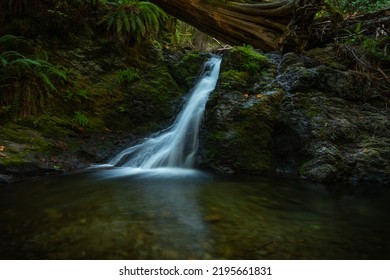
(367, 66)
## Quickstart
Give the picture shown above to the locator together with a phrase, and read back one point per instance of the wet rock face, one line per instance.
(307, 118)
(26, 152)
(237, 132)
(305, 74)
(239, 137)
(333, 138)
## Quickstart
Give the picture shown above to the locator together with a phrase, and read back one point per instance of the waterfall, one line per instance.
(175, 146)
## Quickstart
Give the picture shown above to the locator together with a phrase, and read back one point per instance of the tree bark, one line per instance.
(260, 25)
(266, 25)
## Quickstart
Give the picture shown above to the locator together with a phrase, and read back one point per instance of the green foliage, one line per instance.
(27, 82)
(377, 48)
(8, 39)
(81, 119)
(127, 75)
(133, 20)
(183, 34)
(353, 6)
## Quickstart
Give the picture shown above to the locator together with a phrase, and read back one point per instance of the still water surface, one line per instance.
(124, 213)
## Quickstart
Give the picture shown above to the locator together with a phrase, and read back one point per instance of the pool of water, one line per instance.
(127, 213)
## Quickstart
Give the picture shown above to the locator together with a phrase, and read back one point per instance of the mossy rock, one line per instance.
(246, 59)
(24, 135)
(234, 79)
(150, 102)
(53, 126)
(328, 57)
(186, 71)
(21, 149)
(237, 134)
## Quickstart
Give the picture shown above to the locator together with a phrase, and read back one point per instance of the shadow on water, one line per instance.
(171, 213)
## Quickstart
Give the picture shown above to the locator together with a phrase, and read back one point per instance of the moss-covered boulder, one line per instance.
(236, 135)
(148, 103)
(299, 115)
(186, 67)
(20, 150)
(328, 128)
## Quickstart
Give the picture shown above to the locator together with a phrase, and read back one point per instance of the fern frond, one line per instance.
(110, 21)
(8, 38)
(126, 22)
(141, 26)
(47, 81)
(58, 72)
(119, 25)
(133, 23)
(4, 62)
(27, 62)
(12, 54)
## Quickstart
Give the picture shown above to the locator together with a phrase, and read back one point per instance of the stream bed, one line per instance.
(171, 213)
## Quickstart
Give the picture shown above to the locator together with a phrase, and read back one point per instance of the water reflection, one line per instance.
(180, 214)
(168, 201)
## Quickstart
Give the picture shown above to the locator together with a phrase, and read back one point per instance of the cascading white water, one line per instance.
(175, 146)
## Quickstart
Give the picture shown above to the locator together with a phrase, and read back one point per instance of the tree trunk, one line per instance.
(268, 26)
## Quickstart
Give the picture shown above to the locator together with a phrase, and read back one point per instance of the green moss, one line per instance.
(191, 57)
(327, 56)
(247, 59)
(309, 108)
(24, 135)
(21, 147)
(53, 125)
(186, 71)
(253, 67)
(234, 78)
(255, 132)
(148, 103)
(245, 133)
(248, 52)
(15, 158)
(96, 123)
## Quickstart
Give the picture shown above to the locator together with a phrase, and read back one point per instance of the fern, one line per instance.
(81, 119)
(5, 39)
(133, 20)
(127, 76)
(26, 82)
